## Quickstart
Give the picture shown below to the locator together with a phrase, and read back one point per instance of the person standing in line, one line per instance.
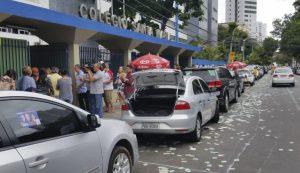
(128, 82)
(96, 90)
(81, 88)
(53, 77)
(8, 81)
(108, 87)
(85, 79)
(26, 82)
(120, 86)
(43, 86)
(64, 85)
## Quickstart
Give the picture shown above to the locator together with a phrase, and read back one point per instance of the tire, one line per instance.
(244, 88)
(236, 97)
(293, 85)
(225, 107)
(273, 85)
(216, 117)
(239, 92)
(195, 136)
(120, 154)
(252, 84)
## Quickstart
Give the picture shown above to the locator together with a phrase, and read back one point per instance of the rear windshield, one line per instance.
(242, 72)
(207, 75)
(283, 70)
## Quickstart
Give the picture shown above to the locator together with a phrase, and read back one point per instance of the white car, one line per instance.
(247, 76)
(166, 103)
(283, 76)
(40, 134)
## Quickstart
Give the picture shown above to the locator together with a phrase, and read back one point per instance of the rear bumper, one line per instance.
(283, 81)
(178, 123)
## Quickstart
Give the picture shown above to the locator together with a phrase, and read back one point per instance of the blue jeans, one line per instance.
(96, 104)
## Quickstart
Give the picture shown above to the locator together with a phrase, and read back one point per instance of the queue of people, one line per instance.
(93, 85)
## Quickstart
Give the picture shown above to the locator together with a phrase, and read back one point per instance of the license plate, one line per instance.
(150, 125)
(283, 76)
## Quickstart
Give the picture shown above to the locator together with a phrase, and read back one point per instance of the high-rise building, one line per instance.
(207, 29)
(261, 31)
(243, 12)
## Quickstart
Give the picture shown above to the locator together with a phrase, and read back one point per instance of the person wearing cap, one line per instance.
(53, 77)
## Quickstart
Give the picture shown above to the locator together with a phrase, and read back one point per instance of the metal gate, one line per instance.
(14, 54)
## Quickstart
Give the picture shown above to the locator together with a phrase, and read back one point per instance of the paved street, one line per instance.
(258, 134)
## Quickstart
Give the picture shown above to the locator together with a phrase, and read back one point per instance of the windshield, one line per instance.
(207, 75)
(283, 70)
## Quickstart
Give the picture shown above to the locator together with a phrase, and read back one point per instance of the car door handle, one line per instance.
(38, 163)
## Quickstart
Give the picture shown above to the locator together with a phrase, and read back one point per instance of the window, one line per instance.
(250, 7)
(250, 2)
(250, 11)
(34, 120)
(196, 87)
(204, 86)
(4, 141)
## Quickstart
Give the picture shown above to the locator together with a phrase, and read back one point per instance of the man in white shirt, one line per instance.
(108, 87)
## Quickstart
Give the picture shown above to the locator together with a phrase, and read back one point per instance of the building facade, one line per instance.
(207, 29)
(243, 12)
(261, 30)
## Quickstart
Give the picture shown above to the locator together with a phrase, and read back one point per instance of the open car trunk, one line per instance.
(156, 93)
(154, 102)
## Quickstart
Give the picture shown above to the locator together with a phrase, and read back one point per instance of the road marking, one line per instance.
(293, 99)
(176, 167)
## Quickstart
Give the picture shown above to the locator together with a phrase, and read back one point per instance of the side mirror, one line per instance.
(92, 122)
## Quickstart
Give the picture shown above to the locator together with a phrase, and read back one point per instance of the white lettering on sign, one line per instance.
(117, 21)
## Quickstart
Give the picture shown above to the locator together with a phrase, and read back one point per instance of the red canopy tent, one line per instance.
(150, 61)
(236, 65)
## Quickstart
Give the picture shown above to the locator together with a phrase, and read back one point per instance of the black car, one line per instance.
(220, 80)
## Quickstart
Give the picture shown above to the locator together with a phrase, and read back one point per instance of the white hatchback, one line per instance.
(283, 76)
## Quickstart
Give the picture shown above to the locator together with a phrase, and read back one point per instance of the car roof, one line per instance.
(5, 94)
(201, 68)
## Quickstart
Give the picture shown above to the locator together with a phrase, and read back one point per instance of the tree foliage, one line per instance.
(162, 10)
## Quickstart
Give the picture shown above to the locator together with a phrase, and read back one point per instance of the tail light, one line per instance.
(125, 107)
(213, 84)
(275, 75)
(291, 75)
(182, 105)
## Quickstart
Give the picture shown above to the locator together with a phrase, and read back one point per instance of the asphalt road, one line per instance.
(260, 134)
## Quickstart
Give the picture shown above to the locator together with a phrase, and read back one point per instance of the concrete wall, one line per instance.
(70, 6)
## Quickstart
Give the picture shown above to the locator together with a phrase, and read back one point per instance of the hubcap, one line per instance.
(121, 164)
(198, 128)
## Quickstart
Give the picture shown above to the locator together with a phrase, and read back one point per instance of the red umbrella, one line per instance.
(150, 61)
(236, 65)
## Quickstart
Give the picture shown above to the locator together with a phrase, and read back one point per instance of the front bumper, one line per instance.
(178, 123)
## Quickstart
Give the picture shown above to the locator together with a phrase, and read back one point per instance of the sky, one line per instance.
(267, 11)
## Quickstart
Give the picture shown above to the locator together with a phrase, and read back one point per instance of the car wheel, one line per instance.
(240, 92)
(293, 85)
(273, 85)
(216, 117)
(120, 161)
(225, 107)
(244, 88)
(252, 84)
(195, 136)
(236, 96)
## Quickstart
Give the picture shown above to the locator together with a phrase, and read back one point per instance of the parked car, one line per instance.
(167, 103)
(247, 76)
(283, 76)
(43, 134)
(219, 79)
(241, 86)
(297, 71)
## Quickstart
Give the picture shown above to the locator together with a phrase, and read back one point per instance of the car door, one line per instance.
(200, 99)
(51, 138)
(10, 160)
(211, 101)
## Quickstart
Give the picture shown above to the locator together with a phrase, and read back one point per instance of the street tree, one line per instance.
(160, 10)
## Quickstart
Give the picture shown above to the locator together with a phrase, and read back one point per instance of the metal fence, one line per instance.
(14, 54)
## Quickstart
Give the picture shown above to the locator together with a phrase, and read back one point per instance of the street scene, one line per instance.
(152, 86)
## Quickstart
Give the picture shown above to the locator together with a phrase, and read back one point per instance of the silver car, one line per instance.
(283, 76)
(247, 76)
(165, 102)
(40, 134)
